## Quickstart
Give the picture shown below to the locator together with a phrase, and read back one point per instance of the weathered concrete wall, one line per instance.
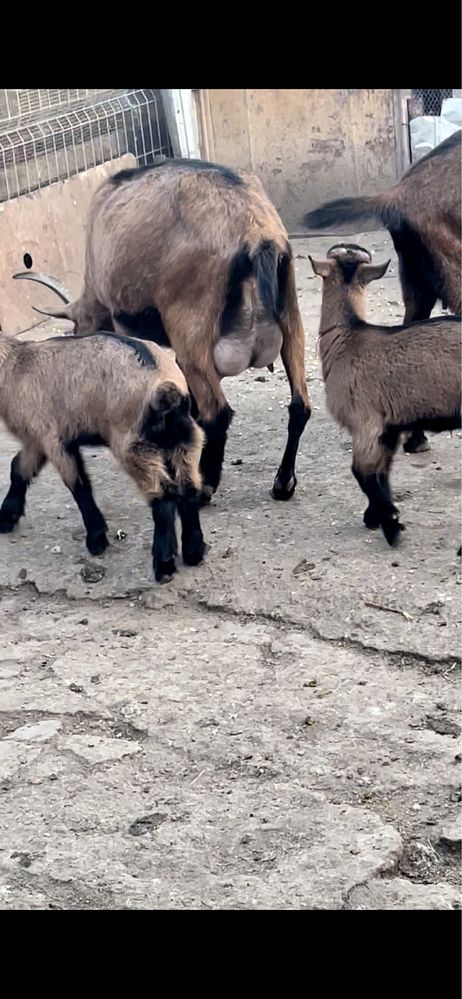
(306, 145)
(50, 225)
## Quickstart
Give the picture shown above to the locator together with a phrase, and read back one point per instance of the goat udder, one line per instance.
(233, 356)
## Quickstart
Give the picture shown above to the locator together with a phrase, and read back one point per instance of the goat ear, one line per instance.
(372, 272)
(322, 268)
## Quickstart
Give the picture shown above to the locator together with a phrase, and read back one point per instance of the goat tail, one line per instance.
(347, 210)
(271, 269)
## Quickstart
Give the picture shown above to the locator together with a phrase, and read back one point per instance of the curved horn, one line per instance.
(55, 313)
(49, 282)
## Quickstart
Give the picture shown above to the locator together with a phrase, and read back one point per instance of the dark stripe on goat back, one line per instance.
(146, 325)
(200, 166)
(143, 354)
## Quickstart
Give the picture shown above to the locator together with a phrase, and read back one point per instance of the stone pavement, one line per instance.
(277, 728)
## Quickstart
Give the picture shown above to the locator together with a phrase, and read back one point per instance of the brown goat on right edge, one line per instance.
(382, 381)
(194, 255)
(423, 215)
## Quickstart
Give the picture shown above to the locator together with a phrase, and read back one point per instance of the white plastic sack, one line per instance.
(429, 130)
(451, 111)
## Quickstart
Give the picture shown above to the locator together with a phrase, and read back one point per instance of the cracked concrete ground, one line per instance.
(278, 728)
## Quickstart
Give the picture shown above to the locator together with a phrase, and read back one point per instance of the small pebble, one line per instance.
(91, 573)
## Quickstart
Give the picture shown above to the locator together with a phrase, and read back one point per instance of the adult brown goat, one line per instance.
(423, 216)
(194, 256)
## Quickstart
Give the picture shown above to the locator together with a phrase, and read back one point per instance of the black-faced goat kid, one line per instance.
(105, 390)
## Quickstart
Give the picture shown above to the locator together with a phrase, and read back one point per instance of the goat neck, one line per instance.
(343, 307)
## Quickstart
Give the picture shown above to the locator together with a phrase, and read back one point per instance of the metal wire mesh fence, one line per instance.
(429, 102)
(50, 135)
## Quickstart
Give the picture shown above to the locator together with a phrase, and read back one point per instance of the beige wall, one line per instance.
(306, 145)
(50, 225)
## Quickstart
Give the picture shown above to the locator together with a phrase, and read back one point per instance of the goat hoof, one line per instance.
(97, 544)
(194, 553)
(7, 523)
(206, 495)
(392, 530)
(370, 519)
(283, 490)
(416, 447)
(164, 571)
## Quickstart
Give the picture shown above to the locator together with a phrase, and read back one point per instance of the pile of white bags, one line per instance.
(429, 130)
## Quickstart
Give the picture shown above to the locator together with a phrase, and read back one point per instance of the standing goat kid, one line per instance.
(382, 381)
(107, 390)
(423, 216)
(194, 255)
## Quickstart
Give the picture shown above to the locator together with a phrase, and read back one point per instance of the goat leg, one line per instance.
(25, 465)
(419, 299)
(216, 432)
(293, 358)
(381, 510)
(164, 545)
(69, 463)
(371, 517)
(214, 416)
(192, 540)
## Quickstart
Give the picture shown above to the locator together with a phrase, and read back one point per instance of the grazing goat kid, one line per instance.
(106, 390)
(381, 381)
(423, 216)
(194, 255)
